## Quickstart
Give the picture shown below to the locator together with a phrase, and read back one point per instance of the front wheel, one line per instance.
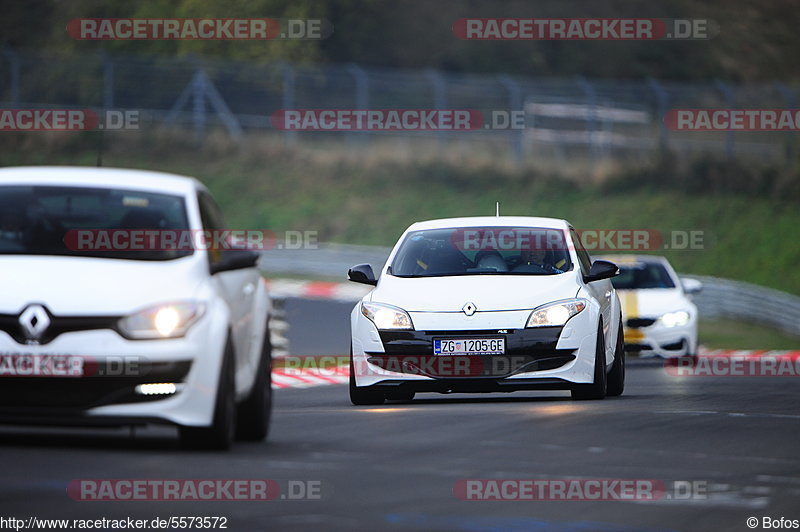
(363, 396)
(616, 377)
(219, 436)
(597, 389)
(253, 415)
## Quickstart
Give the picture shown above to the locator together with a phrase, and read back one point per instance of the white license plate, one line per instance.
(40, 365)
(469, 346)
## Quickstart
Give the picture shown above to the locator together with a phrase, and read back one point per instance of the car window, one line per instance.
(583, 255)
(93, 222)
(482, 251)
(210, 213)
(642, 276)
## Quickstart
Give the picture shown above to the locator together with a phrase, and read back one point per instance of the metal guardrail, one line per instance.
(749, 303)
(719, 298)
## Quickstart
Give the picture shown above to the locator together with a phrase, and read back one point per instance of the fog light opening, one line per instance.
(157, 388)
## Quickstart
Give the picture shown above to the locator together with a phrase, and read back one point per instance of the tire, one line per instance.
(363, 396)
(597, 389)
(254, 413)
(219, 436)
(616, 377)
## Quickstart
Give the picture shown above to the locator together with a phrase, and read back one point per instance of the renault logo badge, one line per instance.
(469, 308)
(34, 321)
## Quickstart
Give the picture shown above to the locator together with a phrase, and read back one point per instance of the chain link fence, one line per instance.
(563, 118)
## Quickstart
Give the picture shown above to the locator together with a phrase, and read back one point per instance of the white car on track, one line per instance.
(127, 335)
(487, 304)
(659, 315)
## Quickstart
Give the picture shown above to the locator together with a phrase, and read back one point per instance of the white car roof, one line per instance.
(100, 177)
(491, 221)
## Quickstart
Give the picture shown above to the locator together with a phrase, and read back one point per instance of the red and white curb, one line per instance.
(749, 353)
(307, 378)
(345, 292)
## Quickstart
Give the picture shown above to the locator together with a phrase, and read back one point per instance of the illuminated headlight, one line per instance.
(171, 320)
(386, 316)
(555, 314)
(675, 319)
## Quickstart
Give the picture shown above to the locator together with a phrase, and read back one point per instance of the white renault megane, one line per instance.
(487, 304)
(120, 334)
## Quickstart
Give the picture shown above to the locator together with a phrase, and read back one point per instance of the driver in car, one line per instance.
(534, 260)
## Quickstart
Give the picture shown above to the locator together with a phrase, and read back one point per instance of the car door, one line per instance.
(237, 288)
(602, 291)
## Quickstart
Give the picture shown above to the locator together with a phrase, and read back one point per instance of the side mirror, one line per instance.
(691, 286)
(233, 259)
(362, 274)
(601, 269)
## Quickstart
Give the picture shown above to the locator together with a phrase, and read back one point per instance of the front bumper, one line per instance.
(536, 358)
(649, 337)
(113, 367)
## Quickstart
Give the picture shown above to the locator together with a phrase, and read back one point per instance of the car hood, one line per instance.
(652, 302)
(487, 292)
(80, 286)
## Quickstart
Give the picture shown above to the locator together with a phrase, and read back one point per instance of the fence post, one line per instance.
(727, 93)
(515, 104)
(439, 94)
(14, 74)
(591, 121)
(108, 81)
(288, 99)
(361, 97)
(791, 140)
(198, 107)
(662, 101)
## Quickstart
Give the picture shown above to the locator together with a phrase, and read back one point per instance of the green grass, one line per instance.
(729, 334)
(369, 196)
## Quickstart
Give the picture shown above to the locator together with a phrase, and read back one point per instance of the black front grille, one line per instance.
(526, 350)
(638, 323)
(58, 325)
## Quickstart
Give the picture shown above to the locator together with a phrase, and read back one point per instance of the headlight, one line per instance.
(170, 320)
(555, 314)
(386, 316)
(675, 319)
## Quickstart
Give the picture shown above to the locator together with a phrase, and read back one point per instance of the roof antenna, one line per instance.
(497, 211)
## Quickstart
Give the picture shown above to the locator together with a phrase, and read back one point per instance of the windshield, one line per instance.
(38, 220)
(482, 251)
(641, 276)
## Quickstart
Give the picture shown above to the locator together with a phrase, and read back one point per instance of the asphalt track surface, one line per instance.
(394, 467)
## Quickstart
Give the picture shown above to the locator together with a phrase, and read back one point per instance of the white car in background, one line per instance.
(127, 337)
(487, 304)
(659, 315)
